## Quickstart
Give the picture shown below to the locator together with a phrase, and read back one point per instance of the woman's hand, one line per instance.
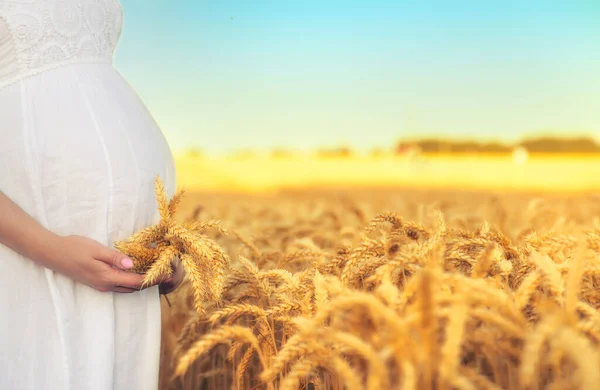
(92, 264)
(172, 283)
(83, 259)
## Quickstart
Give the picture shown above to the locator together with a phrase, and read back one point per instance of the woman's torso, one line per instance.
(76, 134)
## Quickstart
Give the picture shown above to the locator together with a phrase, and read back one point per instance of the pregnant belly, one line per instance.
(95, 151)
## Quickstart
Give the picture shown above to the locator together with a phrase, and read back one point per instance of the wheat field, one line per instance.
(391, 289)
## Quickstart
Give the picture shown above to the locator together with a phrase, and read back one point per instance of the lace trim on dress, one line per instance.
(48, 34)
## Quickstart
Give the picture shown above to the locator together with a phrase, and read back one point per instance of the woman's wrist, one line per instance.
(25, 235)
(46, 249)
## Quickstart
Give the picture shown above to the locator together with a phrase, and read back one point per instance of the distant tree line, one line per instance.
(550, 145)
(342, 151)
(533, 145)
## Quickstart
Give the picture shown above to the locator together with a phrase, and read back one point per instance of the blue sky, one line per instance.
(229, 75)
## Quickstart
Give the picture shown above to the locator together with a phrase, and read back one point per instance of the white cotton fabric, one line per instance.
(79, 152)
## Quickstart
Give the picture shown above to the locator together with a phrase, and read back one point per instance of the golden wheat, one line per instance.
(309, 291)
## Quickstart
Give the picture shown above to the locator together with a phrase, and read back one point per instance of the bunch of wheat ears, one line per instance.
(401, 306)
(156, 250)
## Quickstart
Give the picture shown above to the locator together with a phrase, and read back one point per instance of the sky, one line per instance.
(222, 76)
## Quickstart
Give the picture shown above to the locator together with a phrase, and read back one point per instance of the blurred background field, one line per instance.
(257, 173)
(543, 164)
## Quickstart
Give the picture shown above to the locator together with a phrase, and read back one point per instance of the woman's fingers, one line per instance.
(129, 280)
(113, 258)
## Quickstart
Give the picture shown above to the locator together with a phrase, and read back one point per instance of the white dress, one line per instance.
(79, 152)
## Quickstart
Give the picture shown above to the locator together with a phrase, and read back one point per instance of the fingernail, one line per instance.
(127, 263)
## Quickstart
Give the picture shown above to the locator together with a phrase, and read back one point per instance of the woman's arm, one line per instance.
(80, 258)
(23, 234)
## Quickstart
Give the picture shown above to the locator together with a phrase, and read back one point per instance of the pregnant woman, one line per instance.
(78, 156)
